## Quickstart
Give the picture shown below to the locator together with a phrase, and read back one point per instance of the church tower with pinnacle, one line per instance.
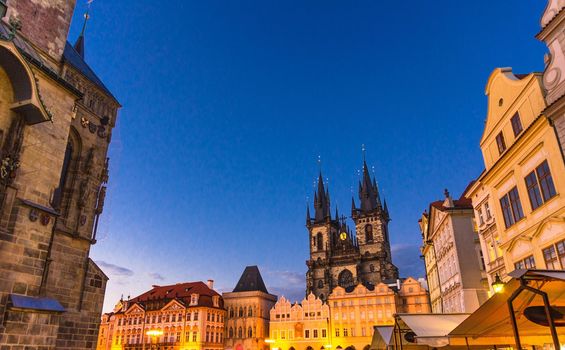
(340, 257)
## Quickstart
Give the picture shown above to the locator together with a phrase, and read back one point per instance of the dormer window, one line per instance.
(216, 301)
(516, 124)
(500, 143)
(194, 299)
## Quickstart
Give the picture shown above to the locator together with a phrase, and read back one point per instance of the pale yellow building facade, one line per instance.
(304, 326)
(248, 310)
(452, 253)
(523, 182)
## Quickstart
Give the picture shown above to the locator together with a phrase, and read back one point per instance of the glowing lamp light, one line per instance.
(154, 332)
(269, 341)
(497, 285)
(328, 346)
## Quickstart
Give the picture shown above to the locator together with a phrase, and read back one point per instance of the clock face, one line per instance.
(343, 236)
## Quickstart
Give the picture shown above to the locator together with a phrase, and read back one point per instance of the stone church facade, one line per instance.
(56, 121)
(340, 257)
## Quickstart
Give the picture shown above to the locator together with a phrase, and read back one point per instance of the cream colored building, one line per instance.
(452, 254)
(248, 309)
(187, 316)
(304, 326)
(523, 180)
(553, 34)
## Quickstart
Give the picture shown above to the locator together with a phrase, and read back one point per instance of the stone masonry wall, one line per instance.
(44, 22)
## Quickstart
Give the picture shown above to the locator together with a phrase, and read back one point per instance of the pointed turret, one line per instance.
(308, 215)
(368, 193)
(353, 208)
(79, 44)
(385, 209)
(321, 202)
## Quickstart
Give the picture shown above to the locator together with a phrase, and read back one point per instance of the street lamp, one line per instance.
(154, 333)
(497, 285)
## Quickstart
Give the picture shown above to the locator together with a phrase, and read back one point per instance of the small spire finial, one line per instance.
(363, 149)
(446, 193)
(320, 164)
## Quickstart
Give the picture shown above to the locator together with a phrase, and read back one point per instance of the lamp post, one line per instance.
(497, 285)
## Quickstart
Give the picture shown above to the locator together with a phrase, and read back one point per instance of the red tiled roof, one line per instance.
(181, 292)
(462, 203)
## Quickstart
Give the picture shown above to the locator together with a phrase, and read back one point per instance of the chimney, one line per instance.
(210, 284)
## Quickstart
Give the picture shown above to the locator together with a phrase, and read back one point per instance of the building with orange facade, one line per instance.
(187, 316)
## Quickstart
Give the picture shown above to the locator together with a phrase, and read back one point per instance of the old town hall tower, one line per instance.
(340, 257)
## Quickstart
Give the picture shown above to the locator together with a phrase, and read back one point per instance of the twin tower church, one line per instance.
(340, 257)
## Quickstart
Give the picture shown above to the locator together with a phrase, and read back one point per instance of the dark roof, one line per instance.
(181, 292)
(462, 203)
(251, 281)
(72, 57)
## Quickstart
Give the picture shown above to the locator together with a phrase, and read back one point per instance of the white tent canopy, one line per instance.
(430, 329)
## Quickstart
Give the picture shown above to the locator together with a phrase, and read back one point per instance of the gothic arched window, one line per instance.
(345, 279)
(369, 233)
(240, 312)
(320, 241)
(250, 311)
(320, 284)
(230, 333)
(249, 333)
(232, 313)
(240, 333)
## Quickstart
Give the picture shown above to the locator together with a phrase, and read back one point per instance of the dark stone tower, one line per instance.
(341, 257)
(371, 223)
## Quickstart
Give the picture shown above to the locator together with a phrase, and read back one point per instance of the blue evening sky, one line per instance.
(228, 104)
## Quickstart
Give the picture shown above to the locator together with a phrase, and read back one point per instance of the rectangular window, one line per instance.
(500, 143)
(283, 334)
(194, 335)
(527, 263)
(487, 210)
(546, 181)
(337, 332)
(481, 219)
(533, 190)
(511, 207)
(307, 334)
(550, 258)
(363, 332)
(516, 124)
(196, 316)
(315, 332)
(561, 252)
(345, 333)
(324, 333)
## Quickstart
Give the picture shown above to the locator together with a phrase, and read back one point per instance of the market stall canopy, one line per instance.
(382, 337)
(490, 324)
(429, 329)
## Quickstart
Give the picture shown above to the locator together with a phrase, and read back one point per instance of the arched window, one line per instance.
(369, 233)
(250, 311)
(320, 284)
(322, 297)
(240, 333)
(240, 312)
(345, 279)
(232, 313)
(230, 333)
(319, 241)
(249, 333)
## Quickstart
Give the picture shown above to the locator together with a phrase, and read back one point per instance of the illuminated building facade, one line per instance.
(187, 316)
(452, 253)
(522, 180)
(304, 326)
(248, 309)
